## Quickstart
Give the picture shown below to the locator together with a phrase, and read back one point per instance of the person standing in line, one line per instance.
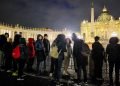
(15, 44)
(23, 57)
(67, 56)
(77, 56)
(40, 52)
(7, 36)
(98, 56)
(52, 66)
(3, 42)
(46, 43)
(61, 45)
(7, 49)
(31, 54)
(113, 52)
(8, 54)
(85, 55)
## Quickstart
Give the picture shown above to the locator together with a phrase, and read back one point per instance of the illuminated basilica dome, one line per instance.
(105, 27)
(105, 16)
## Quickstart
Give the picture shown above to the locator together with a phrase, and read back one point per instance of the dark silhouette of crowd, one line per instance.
(29, 50)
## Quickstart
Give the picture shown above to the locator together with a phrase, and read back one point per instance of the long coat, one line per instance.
(77, 56)
(97, 51)
(113, 51)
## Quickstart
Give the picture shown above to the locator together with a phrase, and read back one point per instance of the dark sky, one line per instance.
(53, 13)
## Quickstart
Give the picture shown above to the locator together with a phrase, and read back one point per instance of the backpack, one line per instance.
(16, 53)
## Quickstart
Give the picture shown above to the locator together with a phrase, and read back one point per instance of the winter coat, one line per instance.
(77, 56)
(77, 48)
(8, 48)
(16, 40)
(113, 51)
(85, 54)
(39, 46)
(46, 45)
(97, 51)
(31, 48)
(3, 42)
(61, 43)
(23, 49)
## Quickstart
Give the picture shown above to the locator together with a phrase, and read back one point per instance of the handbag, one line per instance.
(54, 52)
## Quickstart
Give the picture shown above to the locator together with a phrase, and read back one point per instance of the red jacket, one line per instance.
(31, 48)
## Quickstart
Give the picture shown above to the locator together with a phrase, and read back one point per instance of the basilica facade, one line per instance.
(105, 26)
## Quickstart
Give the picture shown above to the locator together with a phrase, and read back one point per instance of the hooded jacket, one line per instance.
(61, 43)
(31, 48)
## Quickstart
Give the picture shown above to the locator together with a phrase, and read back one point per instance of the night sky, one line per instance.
(56, 14)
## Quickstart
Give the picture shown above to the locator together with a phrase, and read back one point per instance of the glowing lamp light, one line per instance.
(69, 35)
(114, 34)
(80, 37)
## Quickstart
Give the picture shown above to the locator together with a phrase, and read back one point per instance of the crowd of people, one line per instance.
(40, 50)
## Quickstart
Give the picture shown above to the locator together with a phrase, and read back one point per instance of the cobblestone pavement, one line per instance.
(31, 79)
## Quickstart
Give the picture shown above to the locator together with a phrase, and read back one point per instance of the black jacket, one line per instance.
(3, 42)
(23, 51)
(16, 40)
(97, 51)
(46, 45)
(8, 48)
(77, 48)
(113, 51)
(77, 56)
(61, 43)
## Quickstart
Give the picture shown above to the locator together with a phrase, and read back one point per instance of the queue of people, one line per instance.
(41, 50)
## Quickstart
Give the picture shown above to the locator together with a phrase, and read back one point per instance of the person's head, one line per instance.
(22, 41)
(45, 36)
(20, 33)
(74, 36)
(7, 35)
(97, 38)
(113, 40)
(10, 40)
(68, 41)
(15, 33)
(3, 38)
(17, 37)
(60, 37)
(30, 40)
(39, 37)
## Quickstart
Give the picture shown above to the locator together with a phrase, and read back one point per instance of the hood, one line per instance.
(74, 36)
(31, 40)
